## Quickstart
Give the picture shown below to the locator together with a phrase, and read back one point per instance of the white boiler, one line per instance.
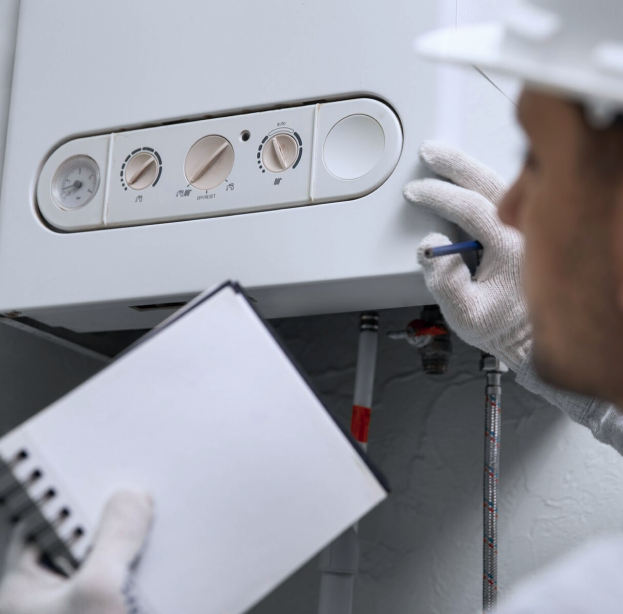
(156, 148)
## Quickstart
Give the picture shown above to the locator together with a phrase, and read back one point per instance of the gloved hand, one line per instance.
(488, 310)
(102, 585)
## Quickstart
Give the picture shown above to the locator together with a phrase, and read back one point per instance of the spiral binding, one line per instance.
(15, 496)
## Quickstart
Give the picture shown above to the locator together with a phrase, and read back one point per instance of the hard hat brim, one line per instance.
(483, 46)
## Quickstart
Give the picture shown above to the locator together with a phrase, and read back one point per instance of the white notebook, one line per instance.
(250, 475)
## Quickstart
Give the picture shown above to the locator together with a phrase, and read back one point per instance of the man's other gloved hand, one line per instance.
(487, 310)
(100, 586)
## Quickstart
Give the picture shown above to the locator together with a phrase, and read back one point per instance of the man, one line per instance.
(554, 311)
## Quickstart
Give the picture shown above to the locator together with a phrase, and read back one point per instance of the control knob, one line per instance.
(209, 162)
(141, 171)
(280, 153)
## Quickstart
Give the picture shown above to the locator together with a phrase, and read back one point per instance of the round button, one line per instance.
(141, 171)
(354, 147)
(280, 153)
(209, 162)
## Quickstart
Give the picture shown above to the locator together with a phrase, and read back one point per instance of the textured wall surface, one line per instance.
(421, 549)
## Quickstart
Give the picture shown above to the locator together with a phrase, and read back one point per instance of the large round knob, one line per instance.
(209, 162)
(141, 171)
(280, 153)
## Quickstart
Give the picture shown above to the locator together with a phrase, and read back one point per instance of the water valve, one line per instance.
(430, 335)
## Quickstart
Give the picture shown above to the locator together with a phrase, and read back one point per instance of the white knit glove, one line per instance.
(103, 583)
(585, 583)
(487, 310)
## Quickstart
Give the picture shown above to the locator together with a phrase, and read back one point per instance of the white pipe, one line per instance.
(336, 593)
(364, 377)
(339, 564)
(340, 561)
(366, 366)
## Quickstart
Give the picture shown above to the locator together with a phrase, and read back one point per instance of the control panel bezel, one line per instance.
(249, 186)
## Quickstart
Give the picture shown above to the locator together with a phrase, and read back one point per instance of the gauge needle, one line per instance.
(75, 184)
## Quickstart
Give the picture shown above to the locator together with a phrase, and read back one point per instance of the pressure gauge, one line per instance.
(75, 182)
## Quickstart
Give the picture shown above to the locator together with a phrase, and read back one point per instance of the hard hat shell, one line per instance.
(574, 47)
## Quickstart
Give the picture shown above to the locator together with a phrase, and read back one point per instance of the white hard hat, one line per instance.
(574, 47)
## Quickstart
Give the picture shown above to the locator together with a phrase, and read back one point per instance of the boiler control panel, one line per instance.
(290, 157)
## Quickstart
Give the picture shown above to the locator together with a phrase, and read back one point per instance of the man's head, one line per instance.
(568, 202)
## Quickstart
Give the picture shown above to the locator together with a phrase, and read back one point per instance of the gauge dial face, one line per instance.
(75, 182)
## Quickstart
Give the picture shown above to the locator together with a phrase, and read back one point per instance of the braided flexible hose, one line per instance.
(491, 475)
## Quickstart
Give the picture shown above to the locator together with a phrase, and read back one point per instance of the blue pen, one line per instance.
(455, 248)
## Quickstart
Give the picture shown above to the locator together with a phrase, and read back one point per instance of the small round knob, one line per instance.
(141, 171)
(209, 162)
(280, 153)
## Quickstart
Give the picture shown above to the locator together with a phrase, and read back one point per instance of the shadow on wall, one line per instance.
(422, 548)
(35, 372)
